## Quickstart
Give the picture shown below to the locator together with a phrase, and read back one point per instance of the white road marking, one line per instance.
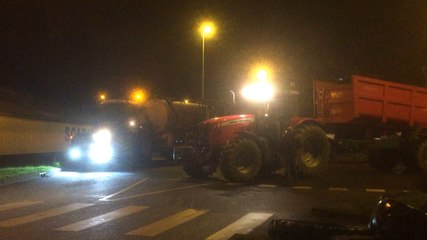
(20, 204)
(242, 226)
(165, 224)
(267, 185)
(42, 215)
(339, 189)
(157, 192)
(374, 190)
(92, 222)
(302, 187)
(123, 190)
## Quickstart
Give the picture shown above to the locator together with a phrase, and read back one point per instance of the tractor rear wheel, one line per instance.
(199, 164)
(422, 156)
(313, 150)
(241, 160)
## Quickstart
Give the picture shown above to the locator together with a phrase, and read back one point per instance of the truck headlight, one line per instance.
(101, 151)
(75, 153)
(102, 136)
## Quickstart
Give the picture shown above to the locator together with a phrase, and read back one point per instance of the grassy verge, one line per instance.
(11, 172)
(363, 206)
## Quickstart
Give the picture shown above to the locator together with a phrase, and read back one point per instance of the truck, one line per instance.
(385, 120)
(125, 133)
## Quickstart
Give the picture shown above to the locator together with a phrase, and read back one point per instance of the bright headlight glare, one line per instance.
(102, 136)
(100, 153)
(75, 153)
(132, 123)
(259, 92)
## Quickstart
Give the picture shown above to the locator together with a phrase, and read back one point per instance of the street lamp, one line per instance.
(207, 29)
(102, 97)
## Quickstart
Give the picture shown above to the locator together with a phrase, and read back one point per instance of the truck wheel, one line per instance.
(422, 156)
(241, 160)
(199, 164)
(313, 150)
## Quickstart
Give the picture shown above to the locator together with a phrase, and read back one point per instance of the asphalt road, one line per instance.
(163, 203)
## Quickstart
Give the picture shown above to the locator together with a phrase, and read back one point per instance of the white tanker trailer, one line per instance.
(129, 134)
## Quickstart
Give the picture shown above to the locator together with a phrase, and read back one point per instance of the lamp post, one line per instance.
(207, 29)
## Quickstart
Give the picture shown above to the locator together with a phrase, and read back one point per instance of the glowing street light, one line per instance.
(102, 97)
(207, 29)
(139, 95)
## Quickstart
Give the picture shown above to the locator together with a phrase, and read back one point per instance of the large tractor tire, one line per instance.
(241, 160)
(421, 156)
(313, 150)
(199, 164)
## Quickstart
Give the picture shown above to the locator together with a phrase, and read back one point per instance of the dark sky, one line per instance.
(69, 50)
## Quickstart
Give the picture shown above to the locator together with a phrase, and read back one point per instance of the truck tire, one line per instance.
(422, 156)
(198, 164)
(240, 160)
(313, 150)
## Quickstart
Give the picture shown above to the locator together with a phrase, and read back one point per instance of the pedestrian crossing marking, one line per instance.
(92, 222)
(170, 222)
(42, 215)
(242, 226)
(20, 204)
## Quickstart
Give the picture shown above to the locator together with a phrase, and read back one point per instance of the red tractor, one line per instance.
(248, 145)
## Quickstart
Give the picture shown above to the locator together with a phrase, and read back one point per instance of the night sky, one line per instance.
(68, 51)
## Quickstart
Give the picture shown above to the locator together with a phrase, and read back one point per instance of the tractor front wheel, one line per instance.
(199, 164)
(241, 160)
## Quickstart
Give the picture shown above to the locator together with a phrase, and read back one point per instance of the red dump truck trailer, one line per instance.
(386, 120)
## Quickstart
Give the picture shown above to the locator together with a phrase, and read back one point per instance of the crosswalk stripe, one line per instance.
(20, 204)
(168, 223)
(42, 215)
(91, 222)
(242, 226)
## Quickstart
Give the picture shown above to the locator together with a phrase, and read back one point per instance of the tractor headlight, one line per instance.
(258, 92)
